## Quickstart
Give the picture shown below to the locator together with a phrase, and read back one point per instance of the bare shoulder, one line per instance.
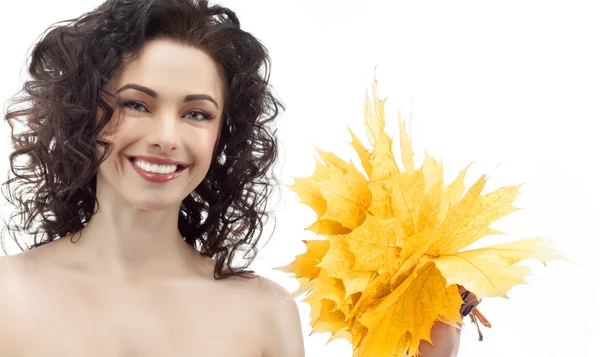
(11, 275)
(13, 298)
(261, 291)
(269, 289)
(13, 280)
(281, 318)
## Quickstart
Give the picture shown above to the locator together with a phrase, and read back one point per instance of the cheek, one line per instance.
(206, 149)
(202, 145)
(117, 135)
(114, 126)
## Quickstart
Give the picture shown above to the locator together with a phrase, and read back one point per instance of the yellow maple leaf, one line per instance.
(490, 271)
(392, 254)
(410, 310)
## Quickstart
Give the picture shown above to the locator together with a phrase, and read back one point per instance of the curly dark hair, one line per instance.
(56, 141)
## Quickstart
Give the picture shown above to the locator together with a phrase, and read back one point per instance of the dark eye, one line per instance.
(133, 105)
(199, 116)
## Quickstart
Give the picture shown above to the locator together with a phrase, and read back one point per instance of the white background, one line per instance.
(511, 85)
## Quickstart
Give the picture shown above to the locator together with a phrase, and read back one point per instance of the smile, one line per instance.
(157, 170)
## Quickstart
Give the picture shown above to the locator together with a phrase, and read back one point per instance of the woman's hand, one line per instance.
(446, 338)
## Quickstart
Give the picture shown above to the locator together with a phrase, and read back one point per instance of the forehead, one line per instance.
(173, 70)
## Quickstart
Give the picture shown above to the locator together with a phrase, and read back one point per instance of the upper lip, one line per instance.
(158, 160)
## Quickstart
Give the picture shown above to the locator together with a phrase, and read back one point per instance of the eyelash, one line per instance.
(126, 104)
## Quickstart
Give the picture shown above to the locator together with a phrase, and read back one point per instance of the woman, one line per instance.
(141, 168)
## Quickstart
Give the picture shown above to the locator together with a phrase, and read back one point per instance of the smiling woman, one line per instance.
(141, 168)
(143, 147)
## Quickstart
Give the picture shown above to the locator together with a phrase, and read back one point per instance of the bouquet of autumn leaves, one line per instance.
(390, 255)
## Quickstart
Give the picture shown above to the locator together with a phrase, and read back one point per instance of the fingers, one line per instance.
(470, 302)
(468, 297)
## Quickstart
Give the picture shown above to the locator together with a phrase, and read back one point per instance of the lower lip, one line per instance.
(156, 178)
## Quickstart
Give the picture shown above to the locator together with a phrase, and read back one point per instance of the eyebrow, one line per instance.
(153, 94)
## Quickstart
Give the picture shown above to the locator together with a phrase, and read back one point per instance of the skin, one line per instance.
(130, 285)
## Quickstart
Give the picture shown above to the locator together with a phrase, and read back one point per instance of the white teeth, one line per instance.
(154, 168)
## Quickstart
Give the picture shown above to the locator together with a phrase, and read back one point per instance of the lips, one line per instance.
(157, 177)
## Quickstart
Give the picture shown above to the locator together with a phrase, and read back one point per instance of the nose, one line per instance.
(163, 135)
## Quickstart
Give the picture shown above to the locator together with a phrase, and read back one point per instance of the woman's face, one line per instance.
(164, 128)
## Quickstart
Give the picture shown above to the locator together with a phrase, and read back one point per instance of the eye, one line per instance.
(133, 105)
(197, 115)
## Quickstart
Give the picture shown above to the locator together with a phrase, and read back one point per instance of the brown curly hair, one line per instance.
(55, 139)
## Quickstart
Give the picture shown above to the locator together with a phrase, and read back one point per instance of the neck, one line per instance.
(125, 240)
